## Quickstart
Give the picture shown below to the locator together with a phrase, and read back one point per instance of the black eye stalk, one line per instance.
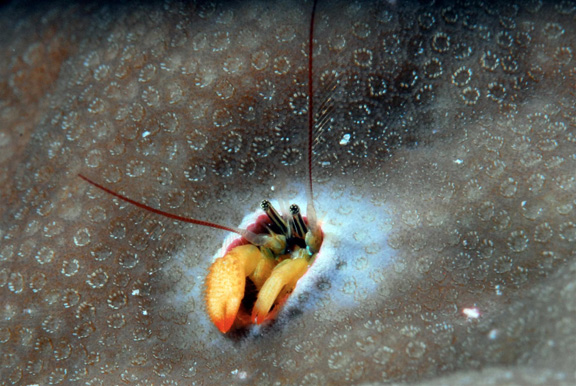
(275, 217)
(295, 226)
(299, 227)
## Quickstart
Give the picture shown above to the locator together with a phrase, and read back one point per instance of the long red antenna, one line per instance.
(160, 212)
(311, 101)
(310, 210)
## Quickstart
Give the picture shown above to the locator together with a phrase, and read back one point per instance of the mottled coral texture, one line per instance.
(461, 156)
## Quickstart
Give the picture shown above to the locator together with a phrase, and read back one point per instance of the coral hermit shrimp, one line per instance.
(271, 255)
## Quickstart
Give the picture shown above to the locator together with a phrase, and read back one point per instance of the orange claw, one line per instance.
(225, 284)
(280, 284)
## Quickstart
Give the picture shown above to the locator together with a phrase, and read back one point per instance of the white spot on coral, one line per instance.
(239, 374)
(498, 289)
(471, 313)
(345, 140)
(493, 334)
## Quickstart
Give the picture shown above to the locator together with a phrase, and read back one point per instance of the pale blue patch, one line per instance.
(354, 256)
(349, 269)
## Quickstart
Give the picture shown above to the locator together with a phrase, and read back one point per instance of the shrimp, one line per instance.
(272, 257)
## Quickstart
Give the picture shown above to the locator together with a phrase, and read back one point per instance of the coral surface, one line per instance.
(445, 176)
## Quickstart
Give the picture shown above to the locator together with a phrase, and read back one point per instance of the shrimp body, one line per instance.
(272, 268)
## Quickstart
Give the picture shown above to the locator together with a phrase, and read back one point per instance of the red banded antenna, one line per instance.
(311, 211)
(161, 212)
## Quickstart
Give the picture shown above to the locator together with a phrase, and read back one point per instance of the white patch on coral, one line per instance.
(352, 261)
(354, 254)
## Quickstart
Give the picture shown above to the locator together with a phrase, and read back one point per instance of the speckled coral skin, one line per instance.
(461, 158)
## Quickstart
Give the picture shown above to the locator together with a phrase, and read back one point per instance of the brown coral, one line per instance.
(453, 129)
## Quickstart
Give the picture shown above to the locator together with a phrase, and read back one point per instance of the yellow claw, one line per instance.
(280, 283)
(225, 284)
(263, 269)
